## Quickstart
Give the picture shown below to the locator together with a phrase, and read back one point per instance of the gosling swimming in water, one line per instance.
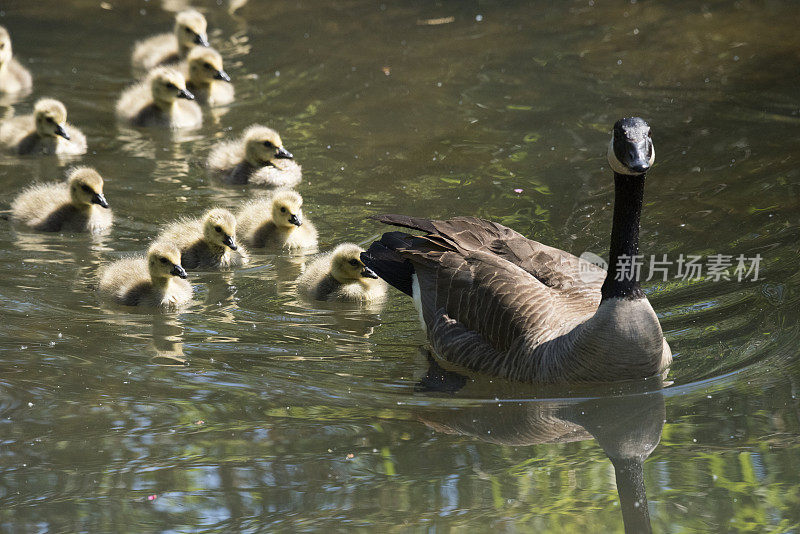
(341, 275)
(208, 242)
(258, 158)
(77, 205)
(206, 78)
(161, 100)
(277, 220)
(14, 78)
(189, 32)
(156, 281)
(46, 131)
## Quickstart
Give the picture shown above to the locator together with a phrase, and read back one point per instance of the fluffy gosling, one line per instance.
(206, 243)
(277, 220)
(155, 281)
(206, 78)
(77, 205)
(14, 78)
(341, 275)
(258, 158)
(46, 131)
(189, 32)
(161, 100)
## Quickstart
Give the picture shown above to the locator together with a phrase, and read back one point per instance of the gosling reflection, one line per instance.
(166, 345)
(627, 428)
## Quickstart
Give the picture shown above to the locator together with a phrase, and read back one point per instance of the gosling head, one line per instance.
(346, 264)
(167, 85)
(190, 29)
(631, 151)
(5, 47)
(263, 146)
(219, 228)
(86, 188)
(205, 66)
(164, 262)
(287, 209)
(50, 117)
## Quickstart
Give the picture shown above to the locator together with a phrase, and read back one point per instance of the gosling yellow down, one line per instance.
(257, 157)
(206, 243)
(277, 221)
(14, 78)
(206, 78)
(155, 281)
(340, 275)
(46, 131)
(189, 32)
(161, 100)
(77, 205)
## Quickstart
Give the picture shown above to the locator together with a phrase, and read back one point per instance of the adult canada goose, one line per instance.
(14, 78)
(161, 100)
(190, 32)
(341, 275)
(46, 131)
(77, 205)
(277, 220)
(497, 302)
(206, 243)
(258, 158)
(206, 79)
(156, 281)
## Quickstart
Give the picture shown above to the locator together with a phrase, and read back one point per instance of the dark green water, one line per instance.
(292, 417)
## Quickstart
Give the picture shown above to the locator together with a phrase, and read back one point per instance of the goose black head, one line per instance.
(631, 149)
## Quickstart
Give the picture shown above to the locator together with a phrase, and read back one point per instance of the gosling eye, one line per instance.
(172, 86)
(268, 144)
(51, 120)
(353, 262)
(208, 66)
(188, 30)
(165, 261)
(86, 188)
(218, 229)
(283, 210)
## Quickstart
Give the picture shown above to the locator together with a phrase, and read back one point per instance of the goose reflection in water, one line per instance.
(626, 426)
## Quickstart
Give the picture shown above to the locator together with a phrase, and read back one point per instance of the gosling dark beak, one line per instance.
(98, 198)
(185, 94)
(295, 220)
(201, 40)
(177, 270)
(222, 75)
(283, 153)
(229, 242)
(368, 273)
(62, 132)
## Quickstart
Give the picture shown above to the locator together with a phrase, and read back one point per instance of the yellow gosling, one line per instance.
(206, 243)
(340, 275)
(257, 157)
(161, 100)
(77, 205)
(277, 221)
(206, 78)
(46, 131)
(155, 281)
(14, 78)
(167, 48)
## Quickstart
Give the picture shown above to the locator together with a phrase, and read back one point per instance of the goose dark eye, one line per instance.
(218, 228)
(171, 86)
(353, 262)
(268, 144)
(208, 66)
(165, 261)
(86, 188)
(188, 30)
(283, 210)
(51, 119)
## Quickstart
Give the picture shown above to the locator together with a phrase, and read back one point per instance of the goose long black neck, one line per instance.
(628, 195)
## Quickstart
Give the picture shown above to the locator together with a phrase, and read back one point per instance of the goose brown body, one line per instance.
(77, 205)
(497, 302)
